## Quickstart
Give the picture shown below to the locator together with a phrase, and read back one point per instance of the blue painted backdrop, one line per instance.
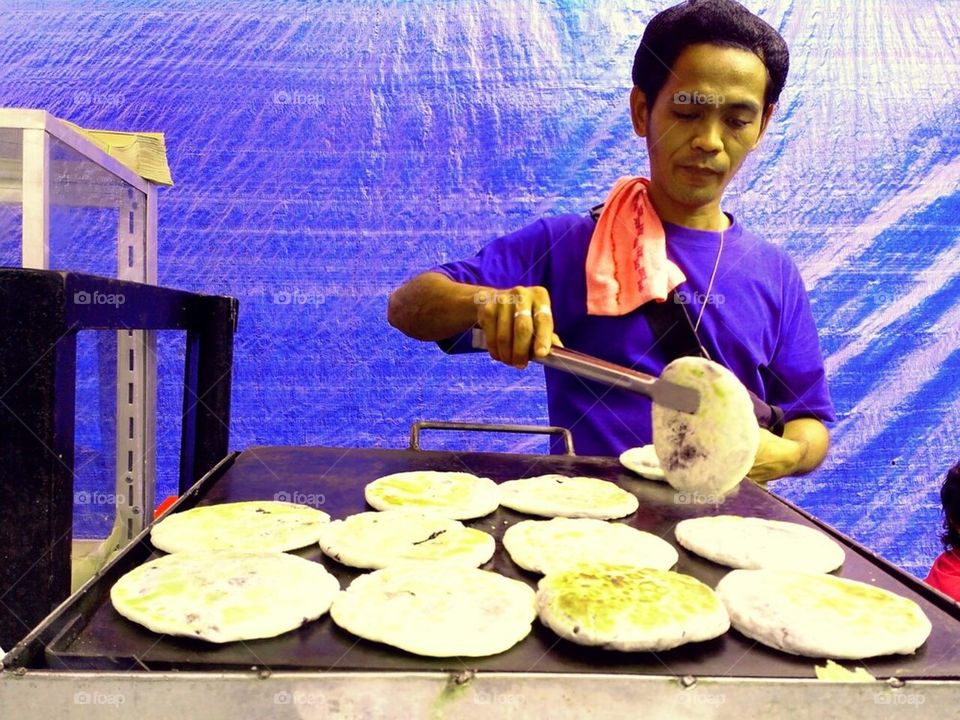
(326, 151)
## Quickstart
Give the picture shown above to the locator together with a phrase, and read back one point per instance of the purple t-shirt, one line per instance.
(757, 323)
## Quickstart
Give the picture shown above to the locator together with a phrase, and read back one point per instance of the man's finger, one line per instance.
(522, 330)
(487, 320)
(504, 310)
(542, 322)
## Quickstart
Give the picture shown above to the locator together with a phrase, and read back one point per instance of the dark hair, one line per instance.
(717, 22)
(950, 498)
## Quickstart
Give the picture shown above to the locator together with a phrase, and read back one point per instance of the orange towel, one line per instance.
(627, 263)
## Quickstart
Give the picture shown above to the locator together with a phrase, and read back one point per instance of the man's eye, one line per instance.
(737, 124)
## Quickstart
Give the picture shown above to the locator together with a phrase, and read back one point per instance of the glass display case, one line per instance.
(65, 204)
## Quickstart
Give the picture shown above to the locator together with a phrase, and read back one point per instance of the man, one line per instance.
(707, 76)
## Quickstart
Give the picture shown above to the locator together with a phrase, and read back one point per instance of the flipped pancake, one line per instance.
(437, 611)
(755, 543)
(712, 450)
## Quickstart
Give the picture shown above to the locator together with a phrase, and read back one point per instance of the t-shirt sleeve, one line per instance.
(796, 380)
(520, 258)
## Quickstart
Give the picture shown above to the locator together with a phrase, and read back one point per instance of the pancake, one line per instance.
(224, 596)
(822, 616)
(630, 609)
(455, 495)
(379, 539)
(572, 497)
(754, 543)
(437, 610)
(547, 546)
(258, 526)
(707, 453)
(643, 461)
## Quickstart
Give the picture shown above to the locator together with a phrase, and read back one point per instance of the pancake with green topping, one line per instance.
(628, 608)
(454, 495)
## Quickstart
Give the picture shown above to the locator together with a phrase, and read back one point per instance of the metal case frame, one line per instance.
(42, 183)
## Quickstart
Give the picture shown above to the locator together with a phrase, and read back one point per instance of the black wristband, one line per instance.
(768, 416)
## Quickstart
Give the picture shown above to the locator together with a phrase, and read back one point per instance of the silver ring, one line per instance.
(522, 313)
(543, 311)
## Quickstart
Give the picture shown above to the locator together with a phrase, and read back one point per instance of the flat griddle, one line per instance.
(87, 633)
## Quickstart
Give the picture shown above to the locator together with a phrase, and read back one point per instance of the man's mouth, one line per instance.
(700, 174)
(702, 169)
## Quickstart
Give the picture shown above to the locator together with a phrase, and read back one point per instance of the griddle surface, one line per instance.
(333, 480)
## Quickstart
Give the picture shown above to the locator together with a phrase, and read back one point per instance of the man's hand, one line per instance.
(776, 457)
(801, 449)
(517, 323)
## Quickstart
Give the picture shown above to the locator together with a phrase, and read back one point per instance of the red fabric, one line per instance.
(945, 574)
(627, 262)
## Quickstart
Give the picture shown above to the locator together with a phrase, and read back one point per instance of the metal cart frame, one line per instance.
(41, 313)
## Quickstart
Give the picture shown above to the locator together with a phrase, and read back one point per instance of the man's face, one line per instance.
(706, 119)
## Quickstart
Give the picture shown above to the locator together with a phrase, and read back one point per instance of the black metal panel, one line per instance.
(40, 315)
(99, 303)
(37, 368)
(88, 633)
(205, 431)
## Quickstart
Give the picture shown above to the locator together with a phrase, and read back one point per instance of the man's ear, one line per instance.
(638, 111)
(764, 122)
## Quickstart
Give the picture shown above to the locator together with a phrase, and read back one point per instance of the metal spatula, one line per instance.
(662, 392)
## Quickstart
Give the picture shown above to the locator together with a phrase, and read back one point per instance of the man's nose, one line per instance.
(708, 136)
